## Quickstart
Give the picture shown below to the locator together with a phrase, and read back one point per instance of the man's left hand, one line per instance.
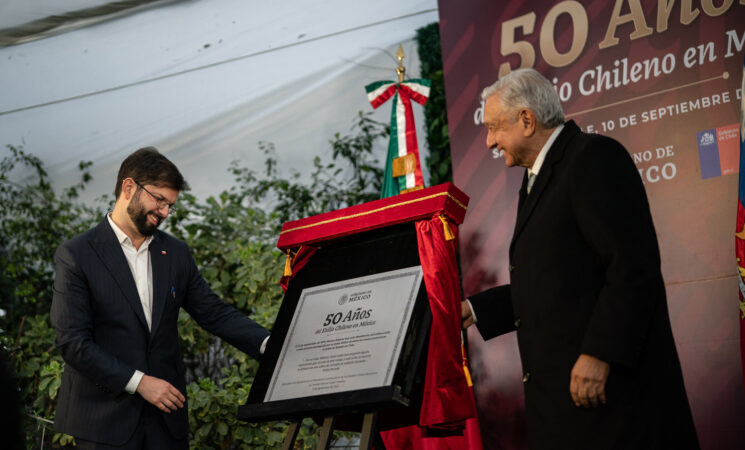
(587, 384)
(466, 315)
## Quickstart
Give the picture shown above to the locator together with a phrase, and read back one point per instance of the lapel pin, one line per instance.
(162, 252)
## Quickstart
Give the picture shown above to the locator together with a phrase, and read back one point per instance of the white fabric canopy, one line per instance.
(16, 13)
(204, 81)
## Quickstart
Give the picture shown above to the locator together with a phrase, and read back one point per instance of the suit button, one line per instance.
(526, 377)
(517, 323)
(512, 267)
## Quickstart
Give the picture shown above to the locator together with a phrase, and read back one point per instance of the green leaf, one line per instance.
(222, 428)
(205, 429)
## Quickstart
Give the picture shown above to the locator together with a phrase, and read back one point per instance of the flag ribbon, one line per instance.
(403, 139)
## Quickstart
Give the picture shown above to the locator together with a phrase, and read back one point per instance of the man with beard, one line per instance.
(117, 294)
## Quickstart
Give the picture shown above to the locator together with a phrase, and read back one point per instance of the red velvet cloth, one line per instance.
(409, 207)
(298, 260)
(448, 404)
(447, 400)
(412, 438)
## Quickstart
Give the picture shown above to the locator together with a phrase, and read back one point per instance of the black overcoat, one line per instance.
(103, 336)
(585, 278)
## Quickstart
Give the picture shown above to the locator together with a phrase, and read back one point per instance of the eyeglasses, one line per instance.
(160, 202)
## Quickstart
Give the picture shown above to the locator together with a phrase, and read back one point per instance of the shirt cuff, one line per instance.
(131, 387)
(473, 313)
(263, 345)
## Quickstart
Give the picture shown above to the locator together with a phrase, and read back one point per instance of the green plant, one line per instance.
(213, 412)
(332, 185)
(35, 221)
(435, 113)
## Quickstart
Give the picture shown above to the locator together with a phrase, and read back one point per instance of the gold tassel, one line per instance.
(465, 366)
(449, 236)
(288, 266)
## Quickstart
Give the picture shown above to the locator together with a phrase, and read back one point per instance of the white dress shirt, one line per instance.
(536, 167)
(138, 260)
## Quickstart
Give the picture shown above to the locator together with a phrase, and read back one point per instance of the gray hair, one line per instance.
(527, 88)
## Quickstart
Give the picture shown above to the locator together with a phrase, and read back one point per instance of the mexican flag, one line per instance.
(403, 134)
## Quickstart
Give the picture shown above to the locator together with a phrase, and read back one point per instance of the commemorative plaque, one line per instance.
(346, 335)
(351, 333)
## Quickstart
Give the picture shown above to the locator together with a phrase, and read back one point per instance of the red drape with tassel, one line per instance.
(448, 416)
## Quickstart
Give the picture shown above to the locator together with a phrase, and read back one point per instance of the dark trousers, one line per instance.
(151, 434)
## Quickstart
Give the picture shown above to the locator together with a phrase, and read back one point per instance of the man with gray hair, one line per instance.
(586, 294)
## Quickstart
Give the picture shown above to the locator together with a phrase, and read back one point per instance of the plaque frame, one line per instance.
(343, 258)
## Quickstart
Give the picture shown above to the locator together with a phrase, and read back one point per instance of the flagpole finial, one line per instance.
(400, 70)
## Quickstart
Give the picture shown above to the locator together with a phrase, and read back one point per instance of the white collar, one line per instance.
(544, 151)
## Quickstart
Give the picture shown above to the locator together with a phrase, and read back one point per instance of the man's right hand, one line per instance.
(160, 393)
(466, 316)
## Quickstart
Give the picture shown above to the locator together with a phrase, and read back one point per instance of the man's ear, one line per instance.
(129, 187)
(527, 122)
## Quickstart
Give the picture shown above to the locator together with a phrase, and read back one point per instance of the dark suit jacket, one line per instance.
(103, 336)
(585, 278)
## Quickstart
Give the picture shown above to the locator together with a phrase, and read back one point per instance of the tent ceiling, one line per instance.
(204, 81)
(23, 21)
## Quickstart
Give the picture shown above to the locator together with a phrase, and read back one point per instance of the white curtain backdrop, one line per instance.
(204, 81)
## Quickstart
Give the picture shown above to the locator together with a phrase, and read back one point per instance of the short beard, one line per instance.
(139, 217)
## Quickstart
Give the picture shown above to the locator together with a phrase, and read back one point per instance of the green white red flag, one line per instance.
(403, 133)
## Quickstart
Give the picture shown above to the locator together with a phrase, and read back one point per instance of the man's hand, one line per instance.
(160, 393)
(587, 384)
(466, 316)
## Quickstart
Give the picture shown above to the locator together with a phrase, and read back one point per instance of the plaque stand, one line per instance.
(369, 436)
(362, 242)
